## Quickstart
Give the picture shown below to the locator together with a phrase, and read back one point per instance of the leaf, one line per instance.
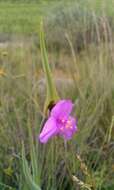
(27, 172)
(52, 95)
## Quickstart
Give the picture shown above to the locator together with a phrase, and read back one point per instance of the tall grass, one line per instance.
(86, 76)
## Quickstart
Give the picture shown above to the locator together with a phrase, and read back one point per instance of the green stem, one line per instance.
(52, 94)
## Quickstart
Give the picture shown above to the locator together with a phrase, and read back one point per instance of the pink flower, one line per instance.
(60, 122)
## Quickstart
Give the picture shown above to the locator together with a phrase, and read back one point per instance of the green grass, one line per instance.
(23, 17)
(83, 74)
(21, 109)
(20, 18)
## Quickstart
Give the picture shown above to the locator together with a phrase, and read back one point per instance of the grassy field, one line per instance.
(79, 36)
(19, 17)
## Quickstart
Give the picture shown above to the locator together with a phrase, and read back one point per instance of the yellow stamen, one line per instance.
(69, 122)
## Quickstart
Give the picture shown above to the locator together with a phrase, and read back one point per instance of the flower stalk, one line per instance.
(52, 95)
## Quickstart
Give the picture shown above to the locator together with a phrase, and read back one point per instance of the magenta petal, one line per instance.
(49, 130)
(68, 130)
(62, 109)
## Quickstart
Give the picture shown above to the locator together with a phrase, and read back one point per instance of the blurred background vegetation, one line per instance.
(79, 39)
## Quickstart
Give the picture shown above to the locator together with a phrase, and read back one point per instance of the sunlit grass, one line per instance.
(21, 108)
(84, 75)
(21, 17)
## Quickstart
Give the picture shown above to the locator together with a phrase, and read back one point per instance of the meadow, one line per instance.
(77, 45)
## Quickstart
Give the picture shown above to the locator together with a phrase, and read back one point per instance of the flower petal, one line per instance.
(68, 130)
(49, 130)
(62, 109)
